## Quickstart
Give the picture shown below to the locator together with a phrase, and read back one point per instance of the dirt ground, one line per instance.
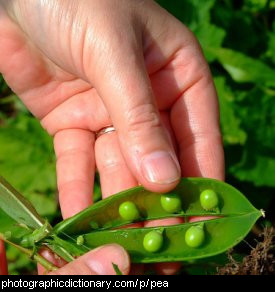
(261, 260)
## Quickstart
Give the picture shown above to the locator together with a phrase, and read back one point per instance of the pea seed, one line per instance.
(209, 199)
(80, 240)
(128, 211)
(153, 241)
(171, 203)
(194, 236)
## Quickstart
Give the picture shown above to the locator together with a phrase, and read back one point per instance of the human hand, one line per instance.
(87, 64)
(96, 262)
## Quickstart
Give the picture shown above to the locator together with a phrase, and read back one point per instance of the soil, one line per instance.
(261, 260)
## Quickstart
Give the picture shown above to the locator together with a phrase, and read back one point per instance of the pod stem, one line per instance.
(38, 258)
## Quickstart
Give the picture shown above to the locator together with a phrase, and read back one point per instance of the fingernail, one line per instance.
(103, 258)
(159, 167)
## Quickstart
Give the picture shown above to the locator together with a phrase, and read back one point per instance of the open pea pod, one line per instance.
(220, 235)
(105, 214)
(234, 217)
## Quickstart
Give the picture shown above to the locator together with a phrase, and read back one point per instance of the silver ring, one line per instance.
(105, 130)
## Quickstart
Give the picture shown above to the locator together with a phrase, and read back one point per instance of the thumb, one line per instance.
(98, 262)
(128, 96)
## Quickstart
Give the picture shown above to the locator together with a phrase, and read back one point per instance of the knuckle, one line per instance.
(143, 117)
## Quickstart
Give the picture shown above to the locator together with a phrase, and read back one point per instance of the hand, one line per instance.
(96, 262)
(82, 65)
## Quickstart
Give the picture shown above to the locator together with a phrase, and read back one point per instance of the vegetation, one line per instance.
(238, 39)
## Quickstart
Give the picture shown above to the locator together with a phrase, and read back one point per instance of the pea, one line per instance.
(209, 199)
(153, 241)
(194, 236)
(128, 211)
(80, 240)
(171, 203)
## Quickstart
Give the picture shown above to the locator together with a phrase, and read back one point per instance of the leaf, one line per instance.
(210, 35)
(242, 68)
(190, 12)
(271, 46)
(27, 160)
(17, 207)
(256, 161)
(259, 171)
(230, 120)
(117, 270)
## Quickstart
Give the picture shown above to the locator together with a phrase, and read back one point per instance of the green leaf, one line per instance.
(117, 270)
(230, 121)
(242, 68)
(27, 160)
(256, 160)
(209, 35)
(271, 46)
(259, 171)
(17, 207)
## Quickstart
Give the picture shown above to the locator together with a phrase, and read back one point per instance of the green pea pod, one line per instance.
(234, 214)
(105, 214)
(220, 235)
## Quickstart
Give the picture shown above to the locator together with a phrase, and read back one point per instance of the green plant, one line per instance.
(23, 227)
(238, 39)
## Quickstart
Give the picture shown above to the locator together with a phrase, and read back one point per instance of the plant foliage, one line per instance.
(238, 39)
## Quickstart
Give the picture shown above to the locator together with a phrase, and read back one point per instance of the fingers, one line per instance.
(75, 169)
(130, 101)
(185, 85)
(195, 120)
(3, 260)
(115, 175)
(98, 262)
(52, 258)
(81, 111)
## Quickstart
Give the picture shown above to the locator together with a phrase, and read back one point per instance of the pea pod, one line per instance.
(220, 235)
(105, 214)
(234, 218)
(95, 226)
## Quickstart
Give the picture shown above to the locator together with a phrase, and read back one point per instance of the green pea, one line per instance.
(153, 241)
(80, 240)
(128, 211)
(171, 203)
(194, 236)
(209, 199)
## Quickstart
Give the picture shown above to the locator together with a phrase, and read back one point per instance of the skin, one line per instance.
(157, 91)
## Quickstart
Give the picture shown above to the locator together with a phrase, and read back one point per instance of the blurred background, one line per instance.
(238, 39)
